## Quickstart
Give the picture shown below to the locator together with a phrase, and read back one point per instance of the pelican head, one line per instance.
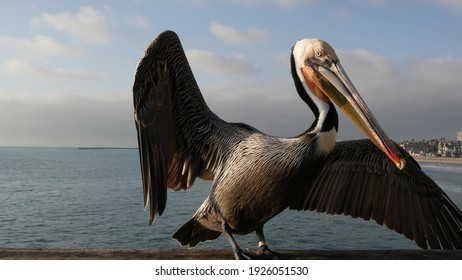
(318, 67)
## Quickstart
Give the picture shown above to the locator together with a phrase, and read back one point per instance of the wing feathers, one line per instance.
(356, 179)
(179, 138)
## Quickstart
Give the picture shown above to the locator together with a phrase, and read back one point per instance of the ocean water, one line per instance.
(92, 198)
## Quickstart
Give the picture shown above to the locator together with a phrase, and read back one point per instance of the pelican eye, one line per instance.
(319, 53)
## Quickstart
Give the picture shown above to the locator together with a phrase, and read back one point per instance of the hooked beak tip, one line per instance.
(401, 164)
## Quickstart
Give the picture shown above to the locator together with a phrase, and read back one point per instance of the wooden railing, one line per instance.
(225, 254)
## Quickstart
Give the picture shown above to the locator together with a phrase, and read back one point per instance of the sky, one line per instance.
(67, 67)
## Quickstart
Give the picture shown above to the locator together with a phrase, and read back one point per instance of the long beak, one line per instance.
(335, 83)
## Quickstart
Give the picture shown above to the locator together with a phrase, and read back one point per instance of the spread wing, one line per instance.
(358, 180)
(179, 138)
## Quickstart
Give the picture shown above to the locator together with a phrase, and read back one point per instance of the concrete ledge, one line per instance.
(225, 254)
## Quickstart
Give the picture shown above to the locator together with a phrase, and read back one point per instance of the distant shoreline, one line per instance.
(439, 160)
(105, 148)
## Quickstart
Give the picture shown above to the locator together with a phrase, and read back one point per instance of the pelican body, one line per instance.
(256, 176)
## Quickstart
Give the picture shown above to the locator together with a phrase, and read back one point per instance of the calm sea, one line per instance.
(92, 198)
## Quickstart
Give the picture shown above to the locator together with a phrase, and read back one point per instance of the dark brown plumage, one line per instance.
(356, 179)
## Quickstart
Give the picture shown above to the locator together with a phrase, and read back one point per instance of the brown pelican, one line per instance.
(256, 176)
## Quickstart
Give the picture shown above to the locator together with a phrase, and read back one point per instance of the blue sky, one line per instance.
(67, 67)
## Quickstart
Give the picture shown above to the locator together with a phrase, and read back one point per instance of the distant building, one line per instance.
(459, 136)
(434, 147)
(421, 148)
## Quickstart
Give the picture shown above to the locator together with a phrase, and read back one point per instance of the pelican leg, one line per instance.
(263, 248)
(238, 254)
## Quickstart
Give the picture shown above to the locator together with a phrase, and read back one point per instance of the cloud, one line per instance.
(66, 118)
(418, 100)
(138, 21)
(282, 58)
(374, 3)
(441, 71)
(362, 65)
(289, 3)
(411, 82)
(88, 24)
(286, 4)
(270, 105)
(414, 100)
(212, 63)
(449, 3)
(39, 45)
(230, 35)
(23, 67)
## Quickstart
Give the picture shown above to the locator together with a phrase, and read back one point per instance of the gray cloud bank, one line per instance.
(420, 100)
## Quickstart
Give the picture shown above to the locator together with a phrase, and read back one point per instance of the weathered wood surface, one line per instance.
(201, 254)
